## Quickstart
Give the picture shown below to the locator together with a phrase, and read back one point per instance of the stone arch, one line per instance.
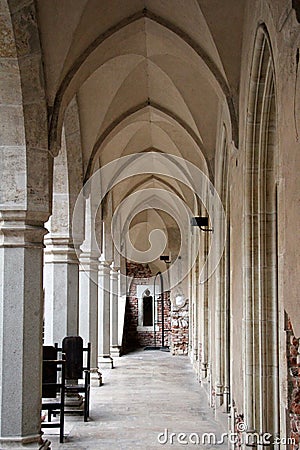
(151, 177)
(23, 115)
(261, 297)
(61, 269)
(67, 177)
(139, 108)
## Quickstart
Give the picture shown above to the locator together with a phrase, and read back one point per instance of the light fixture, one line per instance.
(201, 222)
(165, 258)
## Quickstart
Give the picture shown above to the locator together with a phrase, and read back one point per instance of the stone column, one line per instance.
(114, 298)
(105, 358)
(88, 308)
(204, 316)
(194, 312)
(121, 300)
(61, 277)
(21, 307)
(218, 339)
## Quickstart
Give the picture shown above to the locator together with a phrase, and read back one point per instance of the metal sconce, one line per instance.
(201, 222)
(165, 258)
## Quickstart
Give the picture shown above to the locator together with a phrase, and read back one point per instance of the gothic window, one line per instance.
(147, 309)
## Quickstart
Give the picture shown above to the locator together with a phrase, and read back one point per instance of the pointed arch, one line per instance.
(261, 297)
(61, 102)
(137, 109)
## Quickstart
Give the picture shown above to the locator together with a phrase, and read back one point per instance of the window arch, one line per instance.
(147, 309)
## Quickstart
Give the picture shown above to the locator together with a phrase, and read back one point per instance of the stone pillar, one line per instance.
(194, 312)
(88, 308)
(114, 298)
(105, 358)
(61, 277)
(204, 315)
(21, 307)
(219, 356)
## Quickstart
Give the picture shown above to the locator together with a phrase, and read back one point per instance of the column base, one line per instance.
(226, 396)
(204, 371)
(27, 442)
(73, 404)
(115, 351)
(96, 377)
(106, 361)
(219, 396)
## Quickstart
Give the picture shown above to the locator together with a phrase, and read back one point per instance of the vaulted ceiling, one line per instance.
(148, 75)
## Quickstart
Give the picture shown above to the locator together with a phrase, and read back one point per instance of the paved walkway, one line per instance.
(146, 393)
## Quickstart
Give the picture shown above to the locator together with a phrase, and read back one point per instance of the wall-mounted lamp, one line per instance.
(201, 222)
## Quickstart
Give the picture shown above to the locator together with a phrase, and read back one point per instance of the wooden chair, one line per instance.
(53, 389)
(77, 369)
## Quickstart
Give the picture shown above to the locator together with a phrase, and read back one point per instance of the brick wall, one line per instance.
(130, 338)
(293, 352)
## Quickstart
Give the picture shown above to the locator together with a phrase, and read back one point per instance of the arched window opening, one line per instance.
(147, 309)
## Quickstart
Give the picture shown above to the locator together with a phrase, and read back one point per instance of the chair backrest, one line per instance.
(49, 371)
(72, 346)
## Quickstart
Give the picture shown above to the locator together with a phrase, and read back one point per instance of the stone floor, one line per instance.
(146, 393)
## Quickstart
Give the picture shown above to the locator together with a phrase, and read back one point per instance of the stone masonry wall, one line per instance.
(180, 329)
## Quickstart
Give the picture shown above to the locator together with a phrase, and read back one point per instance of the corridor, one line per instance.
(146, 393)
(149, 194)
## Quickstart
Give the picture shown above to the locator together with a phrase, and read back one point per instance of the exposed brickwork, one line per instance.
(132, 338)
(180, 329)
(138, 271)
(293, 344)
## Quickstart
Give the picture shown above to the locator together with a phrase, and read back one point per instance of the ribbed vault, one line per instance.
(146, 76)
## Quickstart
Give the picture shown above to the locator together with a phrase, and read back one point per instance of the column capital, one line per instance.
(104, 264)
(30, 217)
(89, 261)
(114, 267)
(60, 249)
(59, 240)
(114, 273)
(17, 229)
